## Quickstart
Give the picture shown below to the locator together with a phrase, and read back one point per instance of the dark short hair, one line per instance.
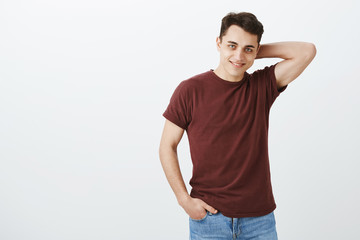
(245, 20)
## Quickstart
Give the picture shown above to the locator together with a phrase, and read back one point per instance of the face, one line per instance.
(238, 51)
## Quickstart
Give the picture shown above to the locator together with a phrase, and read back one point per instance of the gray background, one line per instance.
(83, 85)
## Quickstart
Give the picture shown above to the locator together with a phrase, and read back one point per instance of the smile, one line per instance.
(237, 65)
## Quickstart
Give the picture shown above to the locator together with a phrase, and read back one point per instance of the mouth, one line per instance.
(237, 65)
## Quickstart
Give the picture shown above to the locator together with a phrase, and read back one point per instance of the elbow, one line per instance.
(166, 146)
(310, 51)
(165, 149)
(306, 52)
(162, 153)
(162, 150)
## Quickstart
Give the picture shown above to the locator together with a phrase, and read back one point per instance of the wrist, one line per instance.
(182, 199)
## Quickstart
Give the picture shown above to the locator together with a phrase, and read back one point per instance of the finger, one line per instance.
(209, 208)
(199, 216)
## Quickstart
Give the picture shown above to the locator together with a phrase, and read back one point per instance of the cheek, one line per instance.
(224, 56)
(224, 52)
(250, 58)
(227, 55)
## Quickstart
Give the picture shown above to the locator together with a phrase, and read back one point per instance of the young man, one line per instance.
(226, 115)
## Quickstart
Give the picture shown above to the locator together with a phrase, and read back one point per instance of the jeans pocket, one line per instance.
(202, 219)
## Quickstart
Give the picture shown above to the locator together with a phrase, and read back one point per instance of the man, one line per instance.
(226, 115)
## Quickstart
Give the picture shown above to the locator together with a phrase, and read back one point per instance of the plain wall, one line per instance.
(83, 85)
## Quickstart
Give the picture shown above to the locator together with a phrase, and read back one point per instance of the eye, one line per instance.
(248, 50)
(232, 46)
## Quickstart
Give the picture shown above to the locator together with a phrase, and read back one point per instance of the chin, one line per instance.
(236, 72)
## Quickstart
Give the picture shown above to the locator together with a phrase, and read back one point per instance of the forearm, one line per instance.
(170, 163)
(194, 207)
(285, 50)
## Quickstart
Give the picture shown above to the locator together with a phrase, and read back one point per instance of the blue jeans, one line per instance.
(217, 226)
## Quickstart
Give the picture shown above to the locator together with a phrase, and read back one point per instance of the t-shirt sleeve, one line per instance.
(179, 110)
(272, 91)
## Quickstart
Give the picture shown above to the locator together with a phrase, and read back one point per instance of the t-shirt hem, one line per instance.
(248, 214)
(234, 213)
(173, 120)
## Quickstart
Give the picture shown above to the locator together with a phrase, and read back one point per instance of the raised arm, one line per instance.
(297, 56)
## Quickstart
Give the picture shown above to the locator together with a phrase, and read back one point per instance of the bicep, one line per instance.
(171, 135)
(288, 70)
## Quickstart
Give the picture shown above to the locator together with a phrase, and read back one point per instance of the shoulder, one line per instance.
(267, 71)
(195, 81)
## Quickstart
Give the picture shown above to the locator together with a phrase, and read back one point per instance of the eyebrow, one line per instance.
(235, 43)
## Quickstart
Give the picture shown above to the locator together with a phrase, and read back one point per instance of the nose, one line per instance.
(239, 55)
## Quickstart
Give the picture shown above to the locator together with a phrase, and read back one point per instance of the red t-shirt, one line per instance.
(227, 127)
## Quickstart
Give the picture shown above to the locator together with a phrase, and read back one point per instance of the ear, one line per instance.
(218, 43)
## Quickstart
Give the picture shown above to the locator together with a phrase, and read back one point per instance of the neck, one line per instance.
(221, 73)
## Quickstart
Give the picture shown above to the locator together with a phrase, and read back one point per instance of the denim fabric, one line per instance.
(218, 226)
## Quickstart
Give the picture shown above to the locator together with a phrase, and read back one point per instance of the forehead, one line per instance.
(237, 34)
